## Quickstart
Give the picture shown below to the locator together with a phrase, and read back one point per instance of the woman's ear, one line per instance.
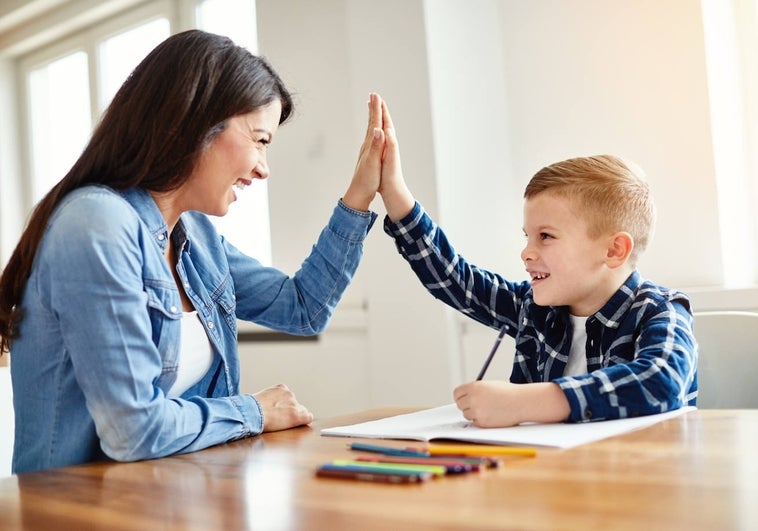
(620, 247)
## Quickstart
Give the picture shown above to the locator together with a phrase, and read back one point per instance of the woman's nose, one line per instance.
(261, 169)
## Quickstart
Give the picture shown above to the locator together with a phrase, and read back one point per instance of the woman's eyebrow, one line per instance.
(264, 131)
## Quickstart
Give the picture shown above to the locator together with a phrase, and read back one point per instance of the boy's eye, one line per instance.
(545, 236)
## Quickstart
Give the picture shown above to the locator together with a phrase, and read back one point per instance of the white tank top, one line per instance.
(577, 362)
(195, 354)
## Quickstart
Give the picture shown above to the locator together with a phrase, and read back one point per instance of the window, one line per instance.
(59, 113)
(247, 223)
(118, 55)
(69, 83)
(62, 108)
(731, 45)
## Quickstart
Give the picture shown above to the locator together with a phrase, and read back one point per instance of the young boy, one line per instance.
(594, 340)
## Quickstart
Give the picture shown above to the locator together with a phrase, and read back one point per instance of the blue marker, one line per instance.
(385, 450)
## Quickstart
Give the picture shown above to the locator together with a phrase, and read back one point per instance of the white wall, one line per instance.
(525, 84)
(627, 78)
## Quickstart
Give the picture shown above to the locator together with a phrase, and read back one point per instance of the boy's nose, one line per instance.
(527, 253)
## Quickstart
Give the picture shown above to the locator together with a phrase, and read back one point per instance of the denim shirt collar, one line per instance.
(148, 211)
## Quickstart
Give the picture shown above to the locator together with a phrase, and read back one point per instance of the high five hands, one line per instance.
(378, 168)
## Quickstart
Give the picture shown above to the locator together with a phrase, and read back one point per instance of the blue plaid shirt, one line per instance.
(641, 353)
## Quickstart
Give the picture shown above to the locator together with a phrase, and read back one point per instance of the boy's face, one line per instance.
(566, 266)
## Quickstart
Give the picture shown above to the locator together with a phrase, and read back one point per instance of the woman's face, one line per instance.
(233, 159)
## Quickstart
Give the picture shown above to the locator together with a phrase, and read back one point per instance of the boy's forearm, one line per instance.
(544, 402)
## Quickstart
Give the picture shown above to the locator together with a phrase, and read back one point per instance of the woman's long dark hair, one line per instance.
(177, 99)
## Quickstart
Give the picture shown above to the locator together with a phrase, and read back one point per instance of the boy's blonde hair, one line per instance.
(610, 194)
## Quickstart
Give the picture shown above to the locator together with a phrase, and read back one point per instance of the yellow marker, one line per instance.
(479, 450)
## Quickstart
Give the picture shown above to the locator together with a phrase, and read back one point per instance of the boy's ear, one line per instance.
(620, 248)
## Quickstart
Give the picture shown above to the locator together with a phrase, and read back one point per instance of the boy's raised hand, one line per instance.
(398, 200)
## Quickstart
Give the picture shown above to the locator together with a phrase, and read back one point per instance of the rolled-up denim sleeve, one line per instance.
(93, 262)
(302, 304)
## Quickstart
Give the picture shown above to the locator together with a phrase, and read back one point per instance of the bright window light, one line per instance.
(247, 223)
(730, 150)
(233, 18)
(119, 55)
(60, 119)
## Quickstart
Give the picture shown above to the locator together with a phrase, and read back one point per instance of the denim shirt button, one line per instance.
(173, 309)
(161, 237)
(210, 324)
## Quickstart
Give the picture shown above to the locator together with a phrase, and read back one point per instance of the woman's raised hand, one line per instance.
(367, 176)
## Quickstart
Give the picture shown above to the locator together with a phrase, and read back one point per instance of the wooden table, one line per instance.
(697, 471)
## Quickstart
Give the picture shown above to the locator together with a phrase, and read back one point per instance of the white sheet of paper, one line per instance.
(447, 422)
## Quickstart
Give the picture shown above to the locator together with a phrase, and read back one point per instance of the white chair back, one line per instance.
(728, 362)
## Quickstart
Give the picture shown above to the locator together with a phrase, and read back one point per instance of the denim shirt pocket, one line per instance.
(165, 311)
(226, 303)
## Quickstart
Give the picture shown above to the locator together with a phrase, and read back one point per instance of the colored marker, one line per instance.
(485, 461)
(452, 466)
(371, 469)
(489, 462)
(479, 450)
(368, 476)
(437, 470)
(386, 450)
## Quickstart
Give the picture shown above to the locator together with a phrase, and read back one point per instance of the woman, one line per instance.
(120, 301)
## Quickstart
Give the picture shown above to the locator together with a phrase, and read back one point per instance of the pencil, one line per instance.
(492, 353)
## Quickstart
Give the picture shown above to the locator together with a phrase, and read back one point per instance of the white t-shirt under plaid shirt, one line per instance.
(641, 353)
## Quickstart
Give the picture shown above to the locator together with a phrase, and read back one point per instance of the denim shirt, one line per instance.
(641, 352)
(99, 341)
